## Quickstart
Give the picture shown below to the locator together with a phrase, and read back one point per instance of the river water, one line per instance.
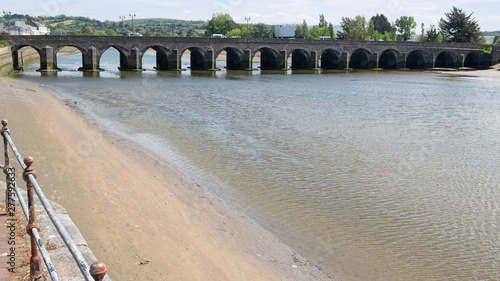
(387, 175)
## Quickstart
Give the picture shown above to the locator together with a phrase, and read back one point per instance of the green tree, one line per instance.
(371, 31)
(406, 27)
(381, 23)
(322, 21)
(345, 24)
(261, 30)
(330, 30)
(432, 34)
(315, 32)
(302, 31)
(111, 32)
(273, 31)
(234, 32)
(220, 24)
(353, 29)
(460, 27)
(358, 29)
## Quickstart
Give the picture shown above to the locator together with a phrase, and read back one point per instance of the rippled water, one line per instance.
(387, 175)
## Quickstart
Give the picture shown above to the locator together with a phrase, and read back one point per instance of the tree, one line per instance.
(322, 21)
(371, 31)
(406, 27)
(261, 30)
(111, 32)
(460, 27)
(345, 24)
(381, 23)
(302, 31)
(220, 24)
(315, 32)
(330, 29)
(358, 29)
(87, 29)
(432, 35)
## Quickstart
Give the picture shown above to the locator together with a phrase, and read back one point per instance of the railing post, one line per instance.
(98, 270)
(35, 260)
(8, 191)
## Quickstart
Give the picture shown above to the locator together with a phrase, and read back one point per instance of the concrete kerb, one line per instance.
(62, 259)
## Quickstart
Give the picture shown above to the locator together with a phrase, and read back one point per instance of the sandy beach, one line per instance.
(136, 212)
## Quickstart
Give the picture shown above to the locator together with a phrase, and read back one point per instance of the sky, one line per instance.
(486, 12)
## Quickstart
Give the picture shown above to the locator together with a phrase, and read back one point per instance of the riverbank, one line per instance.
(136, 212)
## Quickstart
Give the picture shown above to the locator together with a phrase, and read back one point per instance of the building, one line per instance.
(285, 30)
(21, 28)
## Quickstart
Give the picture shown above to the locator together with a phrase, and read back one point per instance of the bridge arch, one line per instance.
(300, 59)
(82, 52)
(447, 59)
(360, 59)
(17, 61)
(473, 59)
(162, 53)
(330, 59)
(197, 58)
(123, 55)
(416, 59)
(233, 57)
(389, 59)
(268, 58)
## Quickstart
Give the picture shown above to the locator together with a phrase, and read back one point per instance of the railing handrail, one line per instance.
(98, 270)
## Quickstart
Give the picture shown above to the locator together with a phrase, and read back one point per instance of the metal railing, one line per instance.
(97, 270)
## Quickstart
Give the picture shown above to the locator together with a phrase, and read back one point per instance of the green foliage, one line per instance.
(322, 21)
(302, 31)
(359, 29)
(315, 32)
(381, 23)
(220, 24)
(111, 32)
(406, 27)
(432, 35)
(4, 43)
(487, 48)
(353, 29)
(331, 31)
(234, 32)
(460, 27)
(261, 30)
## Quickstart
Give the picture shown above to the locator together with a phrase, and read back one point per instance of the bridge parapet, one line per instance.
(275, 53)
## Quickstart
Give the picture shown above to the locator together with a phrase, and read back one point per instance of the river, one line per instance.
(392, 175)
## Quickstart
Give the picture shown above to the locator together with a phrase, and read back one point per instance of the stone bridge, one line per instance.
(275, 54)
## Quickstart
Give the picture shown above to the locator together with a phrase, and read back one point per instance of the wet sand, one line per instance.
(136, 212)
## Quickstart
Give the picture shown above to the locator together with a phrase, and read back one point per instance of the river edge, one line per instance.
(175, 231)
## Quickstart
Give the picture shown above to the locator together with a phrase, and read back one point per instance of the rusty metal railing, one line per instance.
(97, 270)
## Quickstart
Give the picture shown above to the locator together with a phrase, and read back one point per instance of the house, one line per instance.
(21, 28)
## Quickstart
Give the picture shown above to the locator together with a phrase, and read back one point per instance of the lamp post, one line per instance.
(7, 14)
(122, 18)
(247, 19)
(132, 16)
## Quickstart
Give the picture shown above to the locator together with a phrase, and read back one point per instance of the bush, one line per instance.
(3, 43)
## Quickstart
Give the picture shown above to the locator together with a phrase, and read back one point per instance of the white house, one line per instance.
(21, 28)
